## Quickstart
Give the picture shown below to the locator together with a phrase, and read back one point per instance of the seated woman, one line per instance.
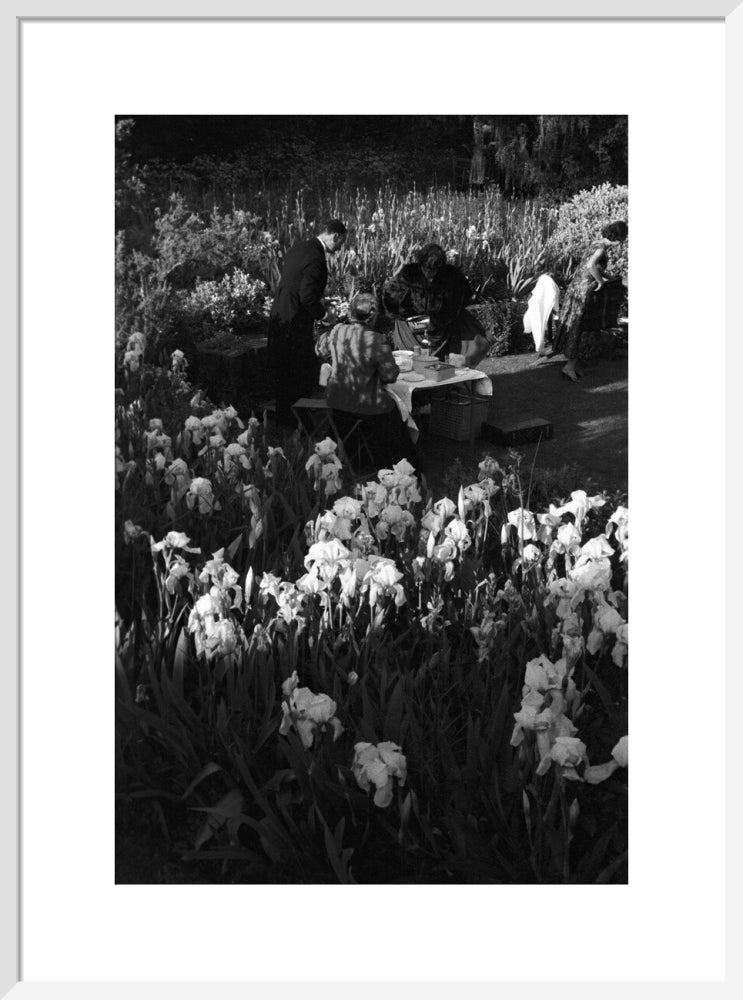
(433, 287)
(361, 364)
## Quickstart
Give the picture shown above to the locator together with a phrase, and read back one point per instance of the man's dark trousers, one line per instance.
(298, 303)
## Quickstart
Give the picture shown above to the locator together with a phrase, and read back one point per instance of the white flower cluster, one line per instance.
(210, 622)
(237, 294)
(158, 448)
(550, 700)
(134, 352)
(231, 450)
(325, 466)
(373, 577)
(310, 715)
(549, 696)
(175, 565)
(178, 361)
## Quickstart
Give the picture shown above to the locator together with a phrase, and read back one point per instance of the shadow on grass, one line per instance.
(589, 419)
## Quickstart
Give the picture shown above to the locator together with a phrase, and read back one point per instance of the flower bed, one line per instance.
(369, 685)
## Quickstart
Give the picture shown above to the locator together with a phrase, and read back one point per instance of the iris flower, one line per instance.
(174, 540)
(445, 507)
(290, 602)
(221, 638)
(430, 526)
(457, 532)
(200, 491)
(488, 468)
(620, 758)
(178, 478)
(382, 580)
(567, 542)
(619, 653)
(328, 559)
(373, 497)
(177, 570)
(400, 483)
(394, 520)
(269, 584)
(606, 621)
(348, 507)
(235, 455)
(307, 712)
(547, 525)
(592, 574)
(310, 583)
(445, 553)
(526, 719)
(377, 766)
(568, 753)
(564, 594)
(523, 521)
(193, 430)
(578, 505)
(132, 531)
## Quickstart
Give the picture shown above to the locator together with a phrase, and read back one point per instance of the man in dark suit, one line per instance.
(297, 305)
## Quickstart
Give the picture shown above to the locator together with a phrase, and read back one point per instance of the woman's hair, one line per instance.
(615, 231)
(362, 306)
(432, 250)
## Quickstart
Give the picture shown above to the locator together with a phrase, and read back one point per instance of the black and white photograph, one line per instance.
(371, 499)
(376, 425)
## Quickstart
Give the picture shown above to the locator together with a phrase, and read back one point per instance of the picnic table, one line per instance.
(478, 382)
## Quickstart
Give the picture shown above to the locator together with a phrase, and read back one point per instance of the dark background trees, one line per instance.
(556, 154)
(528, 155)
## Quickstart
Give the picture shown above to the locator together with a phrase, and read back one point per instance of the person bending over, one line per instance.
(433, 287)
(575, 339)
(296, 307)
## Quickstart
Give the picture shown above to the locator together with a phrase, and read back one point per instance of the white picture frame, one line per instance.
(15, 504)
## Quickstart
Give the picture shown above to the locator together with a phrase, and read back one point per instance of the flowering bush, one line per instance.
(579, 224)
(236, 303)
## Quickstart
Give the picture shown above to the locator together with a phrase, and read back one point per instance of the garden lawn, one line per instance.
(589, 420)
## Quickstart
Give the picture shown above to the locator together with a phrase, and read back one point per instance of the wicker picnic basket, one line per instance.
(454, 416)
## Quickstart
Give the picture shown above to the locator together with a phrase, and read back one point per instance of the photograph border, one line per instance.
(11, 787)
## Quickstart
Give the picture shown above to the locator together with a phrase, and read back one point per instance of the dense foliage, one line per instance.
(361, 682)
(579, 223)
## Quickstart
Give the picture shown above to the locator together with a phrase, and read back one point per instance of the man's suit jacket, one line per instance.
(298, 301)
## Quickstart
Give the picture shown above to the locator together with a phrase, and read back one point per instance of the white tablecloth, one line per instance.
(402, 392)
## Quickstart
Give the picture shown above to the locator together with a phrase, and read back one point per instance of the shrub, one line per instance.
(503, 322)
(237, 303)
(579, 223)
